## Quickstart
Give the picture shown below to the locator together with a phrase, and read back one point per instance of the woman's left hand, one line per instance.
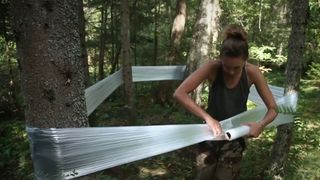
(255, 128)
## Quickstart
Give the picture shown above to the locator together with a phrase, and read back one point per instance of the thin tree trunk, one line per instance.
(293, 72)
(204, 36)
(177, 31)
(155, 33)
(126, 59)
(134, 20)
(53, 76)
(115, 61)
(84, 54)
(102, 40)
(163, 92)
(94, 64)
(112, 32)
(260, 15)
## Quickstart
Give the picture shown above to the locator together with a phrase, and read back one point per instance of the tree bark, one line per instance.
(296, 47)
(126, 59)
(163, 92)
(203, 38)
(48, 36)
(177, 31)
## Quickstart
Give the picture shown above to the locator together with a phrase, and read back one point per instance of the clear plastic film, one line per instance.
(98, 92)
(254, 96)
(285, 106)
(66, 153)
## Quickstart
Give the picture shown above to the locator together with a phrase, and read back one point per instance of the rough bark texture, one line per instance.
(293, 72)
(177, 31)
(126, 60)
(52, 70)
(205, 34)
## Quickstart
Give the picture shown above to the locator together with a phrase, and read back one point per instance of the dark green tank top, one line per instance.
(224, 102)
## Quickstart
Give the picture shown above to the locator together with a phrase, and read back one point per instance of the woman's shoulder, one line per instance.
(213, 64)
(253, 72)
(212, 67)
(252, 69)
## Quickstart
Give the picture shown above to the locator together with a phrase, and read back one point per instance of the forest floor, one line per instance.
(303, 161)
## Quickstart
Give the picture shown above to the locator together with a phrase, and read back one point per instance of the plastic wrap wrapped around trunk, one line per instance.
(66, 153)
(71, 152)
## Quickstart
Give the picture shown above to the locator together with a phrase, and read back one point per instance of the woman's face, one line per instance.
(232, 66)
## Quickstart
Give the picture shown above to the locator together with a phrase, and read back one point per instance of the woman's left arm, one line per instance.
(261, 85)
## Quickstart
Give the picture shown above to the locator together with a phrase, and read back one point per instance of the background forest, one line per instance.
(167, 32)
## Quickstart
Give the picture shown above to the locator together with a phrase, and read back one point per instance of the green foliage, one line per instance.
(10, 96)
(14, 151)
(314, 73)
(266, 54)
(312, 50)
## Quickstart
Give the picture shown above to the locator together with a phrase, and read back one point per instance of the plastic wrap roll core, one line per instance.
(237, 132)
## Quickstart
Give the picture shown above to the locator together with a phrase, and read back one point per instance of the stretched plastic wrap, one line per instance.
(71, 152)
(66, 153)
(254, 96)
(157, 73)
(98, 92)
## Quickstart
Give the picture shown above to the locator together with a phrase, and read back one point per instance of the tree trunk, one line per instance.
(177, 31)
(102, 40)
(115, 61)
(84, 54)
(126, 60)
(203, 38)
(163, 92)
(293, 72)
(52, 70)
(112, 32)
(155, 33)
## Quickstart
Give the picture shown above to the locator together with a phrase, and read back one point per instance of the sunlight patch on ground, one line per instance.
(144, 171)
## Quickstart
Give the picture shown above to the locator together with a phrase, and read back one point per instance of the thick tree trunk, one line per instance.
(205, 34)
(126, 59)
(102, 41)
(293, 72)
(52, 76)
(177, 31)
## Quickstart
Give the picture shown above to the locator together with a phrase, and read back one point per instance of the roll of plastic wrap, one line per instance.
(237, 132)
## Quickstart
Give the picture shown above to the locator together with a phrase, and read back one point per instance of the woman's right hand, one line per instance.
(214, 126)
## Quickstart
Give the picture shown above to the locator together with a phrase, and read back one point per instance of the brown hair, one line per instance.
(235, 42)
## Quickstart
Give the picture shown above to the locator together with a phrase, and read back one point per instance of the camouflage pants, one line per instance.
(220, 160)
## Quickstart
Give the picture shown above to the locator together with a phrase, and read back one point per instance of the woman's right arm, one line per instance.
(188, 85)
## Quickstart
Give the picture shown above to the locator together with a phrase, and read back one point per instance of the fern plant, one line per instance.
(314, 73)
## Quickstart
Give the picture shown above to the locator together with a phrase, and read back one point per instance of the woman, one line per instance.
(230, 77)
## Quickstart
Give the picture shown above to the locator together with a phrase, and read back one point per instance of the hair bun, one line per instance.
(235, 32)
